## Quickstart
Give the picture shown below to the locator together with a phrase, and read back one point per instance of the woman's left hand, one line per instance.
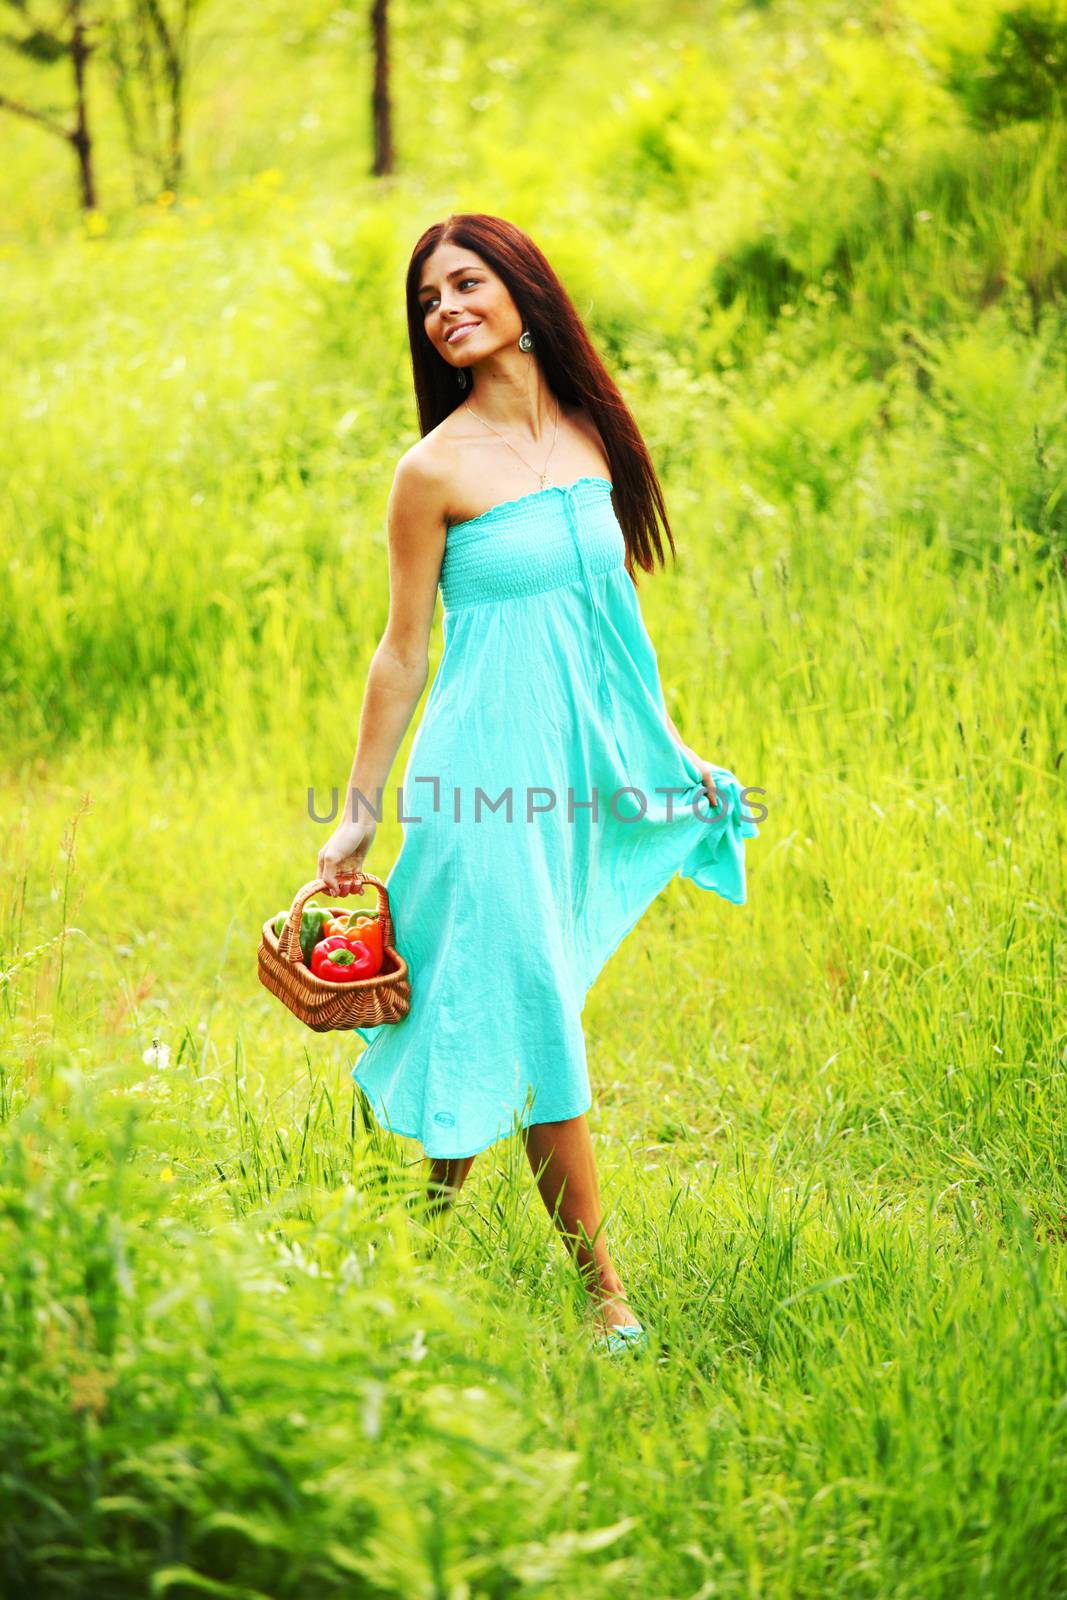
(707, 779)
(698, 761)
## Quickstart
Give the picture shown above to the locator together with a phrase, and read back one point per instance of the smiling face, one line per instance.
(466, 308)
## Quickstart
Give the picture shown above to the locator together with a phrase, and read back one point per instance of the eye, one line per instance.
(429, 301)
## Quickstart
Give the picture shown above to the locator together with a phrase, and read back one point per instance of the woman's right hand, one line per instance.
(341, 858)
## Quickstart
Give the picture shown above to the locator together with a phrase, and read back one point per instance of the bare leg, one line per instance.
(561, 1155)
(445, 1180)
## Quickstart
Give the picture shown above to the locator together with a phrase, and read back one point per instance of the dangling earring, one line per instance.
(461, 377)
(526, 340)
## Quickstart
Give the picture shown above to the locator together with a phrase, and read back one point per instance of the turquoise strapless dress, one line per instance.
(537, 823)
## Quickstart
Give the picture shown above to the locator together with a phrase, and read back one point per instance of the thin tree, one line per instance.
(47, 45)
(149, 55)
(381, 107)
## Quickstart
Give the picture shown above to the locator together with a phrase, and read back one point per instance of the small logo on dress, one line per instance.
(445, 1118)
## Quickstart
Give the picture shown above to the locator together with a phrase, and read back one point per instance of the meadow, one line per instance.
(234, 1359)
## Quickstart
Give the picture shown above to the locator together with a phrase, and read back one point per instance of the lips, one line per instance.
(455, 333)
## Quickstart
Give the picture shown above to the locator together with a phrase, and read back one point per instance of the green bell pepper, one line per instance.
(310, 928)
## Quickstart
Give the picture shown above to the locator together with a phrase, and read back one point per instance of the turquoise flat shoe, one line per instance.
(631, 1337)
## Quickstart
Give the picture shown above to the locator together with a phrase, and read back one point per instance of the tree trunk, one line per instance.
(380, 106)
(173, 45)
(176, 152)
(79, 55)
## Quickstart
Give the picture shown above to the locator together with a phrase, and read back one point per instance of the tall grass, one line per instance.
(235, 1356)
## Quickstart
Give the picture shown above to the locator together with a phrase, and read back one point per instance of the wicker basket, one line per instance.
(325, 1006)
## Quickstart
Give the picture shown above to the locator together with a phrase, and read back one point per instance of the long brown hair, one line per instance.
(573, 370)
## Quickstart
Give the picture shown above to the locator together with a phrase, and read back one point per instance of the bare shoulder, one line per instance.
(416, 550)
(420, 483)
(428, 472)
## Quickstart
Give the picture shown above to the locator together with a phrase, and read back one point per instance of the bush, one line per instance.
(1023, 75)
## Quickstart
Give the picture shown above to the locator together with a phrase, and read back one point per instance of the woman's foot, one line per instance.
(611, 1309)
(616, 1340)
(617, 1328)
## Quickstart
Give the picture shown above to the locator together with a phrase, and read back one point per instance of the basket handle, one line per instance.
(289, 938)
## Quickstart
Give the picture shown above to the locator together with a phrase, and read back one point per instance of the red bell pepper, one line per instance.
(339, 960)
(359, 925)
(333, 961)
(367, 963)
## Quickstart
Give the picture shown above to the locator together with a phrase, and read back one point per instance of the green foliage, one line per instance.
(39, 45)
(235, 1356)
(762, 272)
(1024, 74)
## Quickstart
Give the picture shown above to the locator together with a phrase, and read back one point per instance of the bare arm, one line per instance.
(392, 692)
(677, 736)
(400, 664)
(704, 766)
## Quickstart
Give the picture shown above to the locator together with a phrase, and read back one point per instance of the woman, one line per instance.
(530, 499)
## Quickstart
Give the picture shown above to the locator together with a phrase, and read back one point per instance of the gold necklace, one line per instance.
(543, 474)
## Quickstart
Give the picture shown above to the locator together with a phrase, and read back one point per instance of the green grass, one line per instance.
(233, 1360)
